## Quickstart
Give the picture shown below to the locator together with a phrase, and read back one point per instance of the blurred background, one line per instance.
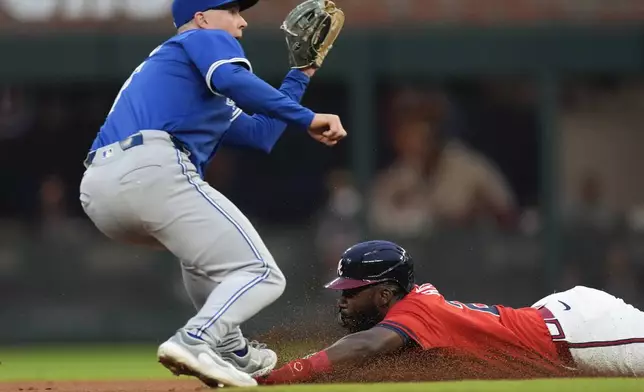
(500, 141)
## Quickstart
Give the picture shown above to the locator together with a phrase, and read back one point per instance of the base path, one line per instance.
(105, 386)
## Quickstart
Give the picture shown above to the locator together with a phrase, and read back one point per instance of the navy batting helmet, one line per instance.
(374, 262)
(184, 10)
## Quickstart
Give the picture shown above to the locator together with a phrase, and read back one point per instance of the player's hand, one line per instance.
(293, 372)
(309, 71)
(327, 129)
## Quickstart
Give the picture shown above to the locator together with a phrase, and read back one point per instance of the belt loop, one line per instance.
(178, 144)
(89, 159)
(125, 144)
(131, 141)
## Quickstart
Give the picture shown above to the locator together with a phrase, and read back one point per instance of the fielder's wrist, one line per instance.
(310, 71)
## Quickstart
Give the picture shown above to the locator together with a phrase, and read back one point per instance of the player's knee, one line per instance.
(278, 279)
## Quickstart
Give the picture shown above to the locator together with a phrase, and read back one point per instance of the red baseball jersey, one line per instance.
(496, 337)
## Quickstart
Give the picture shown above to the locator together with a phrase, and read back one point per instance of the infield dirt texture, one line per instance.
(566, 385)
(134, 369)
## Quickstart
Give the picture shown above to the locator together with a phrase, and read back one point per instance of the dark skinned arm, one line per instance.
(354, 349)
(351, 350)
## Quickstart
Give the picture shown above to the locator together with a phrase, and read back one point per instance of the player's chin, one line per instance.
(341, 320)
(346, 322)
(351, 324)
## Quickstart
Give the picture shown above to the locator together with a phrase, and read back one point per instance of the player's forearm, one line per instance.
(295, 84)
(345, 352)
(260, 131)
(352, 350)
(252, 93)
(356, 348)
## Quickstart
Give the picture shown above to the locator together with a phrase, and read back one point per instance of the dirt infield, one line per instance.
(105, 386)
(441, 365)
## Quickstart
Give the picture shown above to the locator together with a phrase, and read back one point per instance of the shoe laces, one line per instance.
(256, 345)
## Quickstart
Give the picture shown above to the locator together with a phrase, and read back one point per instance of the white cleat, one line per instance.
(258, 361)
(184, 355)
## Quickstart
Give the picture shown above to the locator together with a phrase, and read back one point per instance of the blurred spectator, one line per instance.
(222, 170)
(636, 218)
(16, 113)
(435, 180)
(589, 208)
(337, 223)
(56, 115)
(52, 199)
(622, 279)
(56, 224)
(591, 229)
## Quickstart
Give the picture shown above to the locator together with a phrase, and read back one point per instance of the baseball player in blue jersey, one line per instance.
(144, 180)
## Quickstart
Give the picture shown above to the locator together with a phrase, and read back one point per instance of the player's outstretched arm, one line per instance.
(355, 348)
(220, 59)
(351, 350)
(250, 92)
(259, 130)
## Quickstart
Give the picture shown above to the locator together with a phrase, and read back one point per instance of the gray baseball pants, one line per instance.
(151, 194)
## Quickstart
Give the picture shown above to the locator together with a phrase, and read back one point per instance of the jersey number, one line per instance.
(477, 307)
(129, 80)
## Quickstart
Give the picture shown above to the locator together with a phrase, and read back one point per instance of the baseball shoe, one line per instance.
(184, 354)
(255, 360)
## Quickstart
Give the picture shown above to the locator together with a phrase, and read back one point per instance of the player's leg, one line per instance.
(197, 283)
(232, 261)
(208, 233)
(102, 199)
(99, 198)
(605, 334)
(199, 286)
(127, 195)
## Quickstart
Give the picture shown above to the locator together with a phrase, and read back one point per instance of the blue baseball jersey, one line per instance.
(172, 91)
